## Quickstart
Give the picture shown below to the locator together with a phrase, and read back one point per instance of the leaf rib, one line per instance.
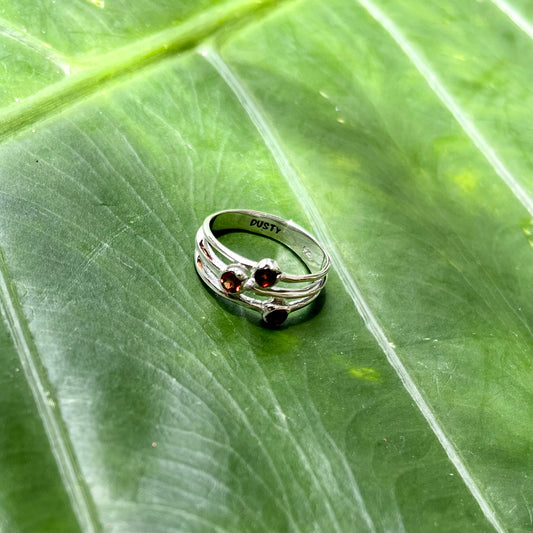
(449, 102)
(35, 45)
(94, 76)
(287, 172)
(515, 16)
(60, 443)
(302, 455)
(319, 226)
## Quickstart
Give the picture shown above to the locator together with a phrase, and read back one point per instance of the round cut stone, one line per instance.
(276, 317)
(231, 282)
(265, 277)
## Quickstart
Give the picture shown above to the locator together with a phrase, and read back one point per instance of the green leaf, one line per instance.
(398, 133)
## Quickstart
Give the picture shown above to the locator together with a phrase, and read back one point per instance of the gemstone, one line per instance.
(265, 277)
(231, 282)
(199, 263)
(276, 317)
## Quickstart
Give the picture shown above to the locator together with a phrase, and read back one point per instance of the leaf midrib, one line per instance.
(93, 76)
(47, 104)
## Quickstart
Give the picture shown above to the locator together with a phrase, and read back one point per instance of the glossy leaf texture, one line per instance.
(399, 133)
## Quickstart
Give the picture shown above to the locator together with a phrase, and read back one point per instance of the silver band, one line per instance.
(252, 284)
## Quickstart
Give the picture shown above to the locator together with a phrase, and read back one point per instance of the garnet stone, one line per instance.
(276, 317)
(265, 277)
(231, 282)
(266, 274)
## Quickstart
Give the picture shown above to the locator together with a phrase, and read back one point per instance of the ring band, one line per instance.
(255, 284)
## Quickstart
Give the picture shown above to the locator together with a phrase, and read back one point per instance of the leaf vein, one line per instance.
(57, 434)
(450, 103)
(287, 171)
(515, 16)
(29, 42)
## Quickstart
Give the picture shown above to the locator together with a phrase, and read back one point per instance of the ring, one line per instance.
(260, 285)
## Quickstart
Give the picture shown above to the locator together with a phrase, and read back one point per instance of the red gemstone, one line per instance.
(265, 277)
(199, 263)
(276, 317)
(231, 282)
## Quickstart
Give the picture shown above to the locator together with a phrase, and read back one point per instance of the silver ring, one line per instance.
(257, 284)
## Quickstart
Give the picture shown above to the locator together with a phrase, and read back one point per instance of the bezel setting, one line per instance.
(266, 273)
(233, 279)
(275, 312)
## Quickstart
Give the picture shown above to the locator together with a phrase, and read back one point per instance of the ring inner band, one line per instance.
(299, 242)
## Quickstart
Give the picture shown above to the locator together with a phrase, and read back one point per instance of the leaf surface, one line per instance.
(400, 402)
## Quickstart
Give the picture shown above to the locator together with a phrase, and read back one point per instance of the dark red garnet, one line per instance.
(276, 317)
(265, 277)
(231, 282)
